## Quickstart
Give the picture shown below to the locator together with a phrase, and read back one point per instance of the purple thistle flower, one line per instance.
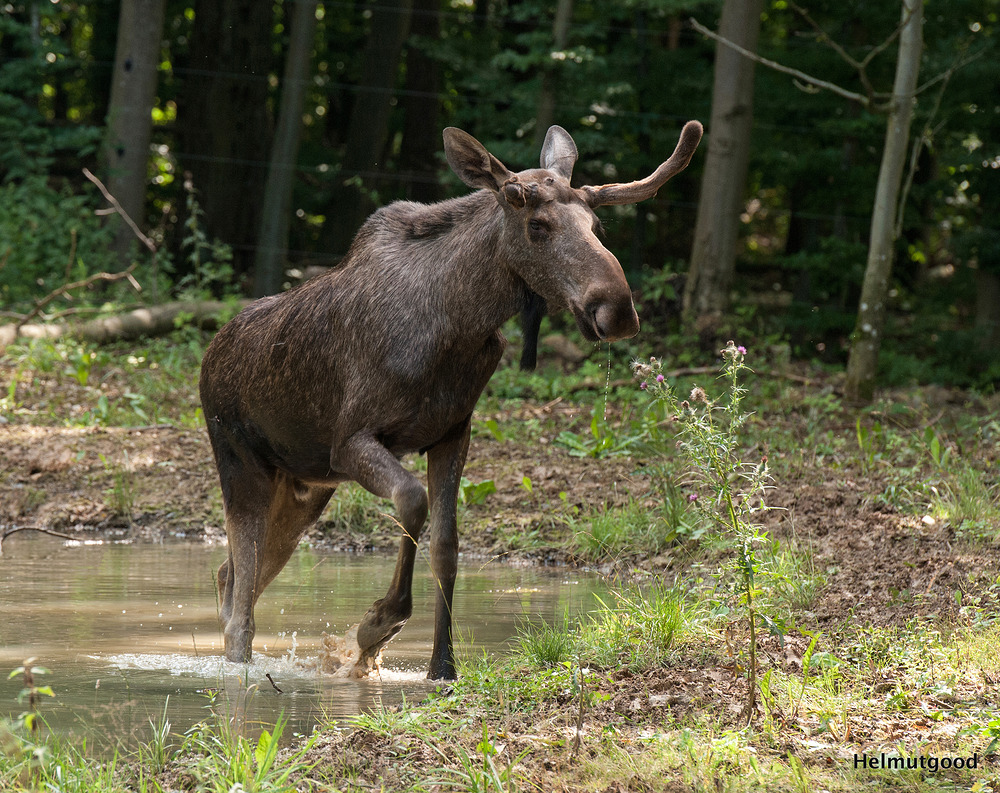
(659, 378)
(642, 385)
(741, 350)
(693, 497)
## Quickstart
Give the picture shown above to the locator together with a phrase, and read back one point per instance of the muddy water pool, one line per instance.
(128, 630)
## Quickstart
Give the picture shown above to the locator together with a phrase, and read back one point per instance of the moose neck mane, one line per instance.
(458, 251)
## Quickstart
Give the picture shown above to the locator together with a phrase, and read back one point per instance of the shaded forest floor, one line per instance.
(891, 517)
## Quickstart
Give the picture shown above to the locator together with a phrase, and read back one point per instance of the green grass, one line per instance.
(74, 383)
(356, 511)
(635, 529)
(211, 756)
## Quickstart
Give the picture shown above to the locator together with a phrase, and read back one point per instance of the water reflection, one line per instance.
(123, 627)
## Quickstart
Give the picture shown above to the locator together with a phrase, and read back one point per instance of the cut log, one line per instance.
(149, 321)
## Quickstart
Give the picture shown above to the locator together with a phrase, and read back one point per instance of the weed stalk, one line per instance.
(709, 436)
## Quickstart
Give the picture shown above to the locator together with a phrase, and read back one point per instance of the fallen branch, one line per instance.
(15, 529)
(118, 208)
(83, 284)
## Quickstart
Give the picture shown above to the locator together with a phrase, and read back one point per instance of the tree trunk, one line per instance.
(125, 154)
(269, 265)
(988, 312)
(350, 202)
(723, 186)
(867, 338)
(640, 228)
(546, 112)
(103, 17)
(224, 128)
(418, 162)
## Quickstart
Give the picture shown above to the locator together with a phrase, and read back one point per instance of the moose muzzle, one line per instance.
(608, 314)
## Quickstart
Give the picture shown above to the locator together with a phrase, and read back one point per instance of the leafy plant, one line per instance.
(614, 533)
(870, 443)
(155, 755)
(472, 493)
(709, 436)
(120, 496)
(604, 440)
(208, 261)
(545, 645)
(479, 772)
(22, 740)
(48, 236)
(637, 628)
(31, 692)
(228, 761)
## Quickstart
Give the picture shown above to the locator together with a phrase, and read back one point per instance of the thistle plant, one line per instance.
(728, 490)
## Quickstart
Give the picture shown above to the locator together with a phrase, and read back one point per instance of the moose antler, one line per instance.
(633, 192)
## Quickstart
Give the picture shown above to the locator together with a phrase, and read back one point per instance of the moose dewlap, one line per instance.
(337, 379)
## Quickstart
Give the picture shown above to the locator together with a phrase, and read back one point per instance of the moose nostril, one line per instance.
(613, 321)
(601, 315)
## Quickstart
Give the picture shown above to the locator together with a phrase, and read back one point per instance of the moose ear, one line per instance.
(474, 165)
(559, 152)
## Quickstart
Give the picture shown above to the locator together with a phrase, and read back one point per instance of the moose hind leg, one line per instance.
(373, 467)
(264, 527)
(294, 508)
(239, 577)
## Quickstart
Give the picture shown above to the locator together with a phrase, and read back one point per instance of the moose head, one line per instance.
(551, 234)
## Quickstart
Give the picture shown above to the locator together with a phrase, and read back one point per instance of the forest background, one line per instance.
(250, 140)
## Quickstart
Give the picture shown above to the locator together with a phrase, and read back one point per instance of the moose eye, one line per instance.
(537, 225)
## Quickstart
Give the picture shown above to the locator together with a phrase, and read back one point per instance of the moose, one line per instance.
(387, 354)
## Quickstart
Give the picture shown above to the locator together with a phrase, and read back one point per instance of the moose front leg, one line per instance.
(445, 462)
(373, 467)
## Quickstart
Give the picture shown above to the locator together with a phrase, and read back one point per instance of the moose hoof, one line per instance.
(239, 655)
(239, 646)
(377, 628)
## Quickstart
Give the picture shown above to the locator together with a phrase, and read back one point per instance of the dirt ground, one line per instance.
(882, 567)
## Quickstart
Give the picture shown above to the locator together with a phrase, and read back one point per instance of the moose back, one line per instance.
(387, 354)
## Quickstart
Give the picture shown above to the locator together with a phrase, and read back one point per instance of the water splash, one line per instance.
(208, 666)
(340, 656)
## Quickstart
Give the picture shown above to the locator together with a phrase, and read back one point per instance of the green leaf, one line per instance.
(263, 748)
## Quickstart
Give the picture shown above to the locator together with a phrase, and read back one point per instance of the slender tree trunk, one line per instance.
(723, 187)
(988, 311)
(270, 255)
(103, 17)
(641, 76)
(224, 127)
(863, 361)
(125, 154)
(546, 113)
(350, 203)
(421, 133)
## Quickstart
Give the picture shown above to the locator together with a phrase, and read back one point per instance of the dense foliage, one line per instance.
(629, 74)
